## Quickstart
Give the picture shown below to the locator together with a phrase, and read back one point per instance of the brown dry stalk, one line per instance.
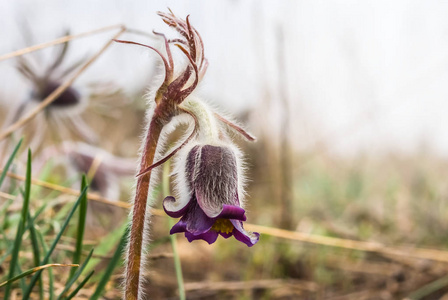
(252, 284)
(7, 196)
(60, 40)
(94, 166)
(421, 253)
(57, 92)
(69, 191)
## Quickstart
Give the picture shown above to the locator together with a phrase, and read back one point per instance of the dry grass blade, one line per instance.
(73, 192)
(34, 270)
(68, 191)
(94, 167)
(253, 284)
(57, 92)
(7, 196)
(421, 253)
(61, 40)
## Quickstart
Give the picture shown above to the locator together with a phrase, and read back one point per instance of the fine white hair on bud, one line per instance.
(209, 180)
(209, 130)
(180, 173)
(209, 184)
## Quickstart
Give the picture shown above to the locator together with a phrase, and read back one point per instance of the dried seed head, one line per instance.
(70, 97)
(62, 115)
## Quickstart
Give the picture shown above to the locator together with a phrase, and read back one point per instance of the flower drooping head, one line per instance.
(208, 165)
(213, 206)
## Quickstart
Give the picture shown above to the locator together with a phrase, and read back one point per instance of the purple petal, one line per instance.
(226, 235)
(232, 212)
(195, 220)
(242, 235)
(176, 213)
(209, 236)
(180, 226)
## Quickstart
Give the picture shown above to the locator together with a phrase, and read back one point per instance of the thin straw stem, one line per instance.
(57, 92)
(60, 40)
(66, 190)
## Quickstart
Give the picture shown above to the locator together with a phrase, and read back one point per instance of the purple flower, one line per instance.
(213, 206)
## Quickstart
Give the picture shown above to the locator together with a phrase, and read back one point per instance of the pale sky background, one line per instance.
(368, 76)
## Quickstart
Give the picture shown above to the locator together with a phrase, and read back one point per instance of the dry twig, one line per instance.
(60, 40)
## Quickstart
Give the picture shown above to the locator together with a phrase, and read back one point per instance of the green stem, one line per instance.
(177, 263)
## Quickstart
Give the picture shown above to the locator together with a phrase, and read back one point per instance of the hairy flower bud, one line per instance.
(213, 207)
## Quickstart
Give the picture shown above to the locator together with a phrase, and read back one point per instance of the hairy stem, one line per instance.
(136, 237)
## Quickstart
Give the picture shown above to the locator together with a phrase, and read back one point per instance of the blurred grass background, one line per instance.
(396, 200)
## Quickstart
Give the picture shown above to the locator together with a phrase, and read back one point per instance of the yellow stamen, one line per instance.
(223, 225)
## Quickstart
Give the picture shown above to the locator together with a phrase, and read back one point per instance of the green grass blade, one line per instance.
(50, 270)
(73, 294)
(429, 289)
(76, 275)
(8, 252)
(111, 266)
(20, 228)
(81, 226)
(36, 252)
(22, 283)
(9, 162)
(53, 245)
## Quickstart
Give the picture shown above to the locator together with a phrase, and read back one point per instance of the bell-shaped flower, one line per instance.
(212, 206)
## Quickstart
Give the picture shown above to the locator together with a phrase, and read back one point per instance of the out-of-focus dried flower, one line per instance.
(61, 119)
(45, 82)
(104, 169)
